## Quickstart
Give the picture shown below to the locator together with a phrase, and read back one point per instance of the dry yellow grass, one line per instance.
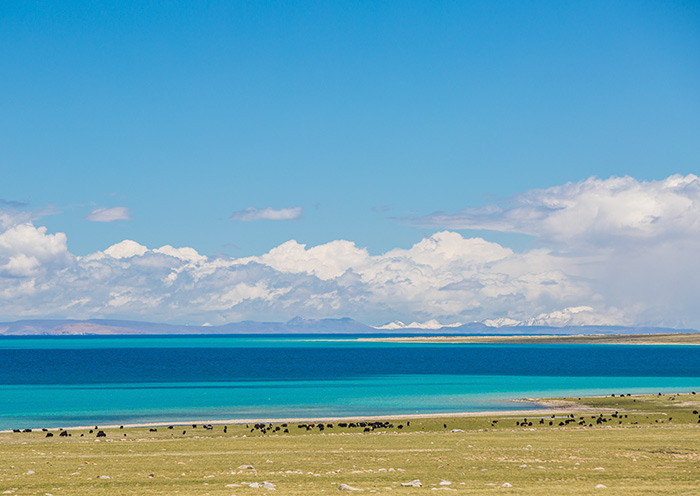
(651, 446)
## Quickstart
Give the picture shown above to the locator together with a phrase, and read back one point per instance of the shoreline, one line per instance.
(549, 406)
(666, 339)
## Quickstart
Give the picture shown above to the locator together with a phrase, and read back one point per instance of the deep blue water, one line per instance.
(63, 381)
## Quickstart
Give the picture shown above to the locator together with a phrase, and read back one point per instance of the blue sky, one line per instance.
(353, 121)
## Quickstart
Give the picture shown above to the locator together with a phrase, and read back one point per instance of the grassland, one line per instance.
(668, 338)
(646, 445)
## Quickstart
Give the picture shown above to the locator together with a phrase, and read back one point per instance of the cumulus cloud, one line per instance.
(252, 213)
(126, 249)
(633, 242)
(186, 253)
(326, 262)
(27, 250)
(593, 212)
(442, 276)
(111, 214)
(650, 275)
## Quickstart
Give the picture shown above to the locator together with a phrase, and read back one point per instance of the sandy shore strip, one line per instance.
(548, 408)
(677, 339)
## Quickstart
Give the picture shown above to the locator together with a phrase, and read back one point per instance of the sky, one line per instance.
(213, 162)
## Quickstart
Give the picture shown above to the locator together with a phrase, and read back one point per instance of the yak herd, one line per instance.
(259, 427)
(366, 426)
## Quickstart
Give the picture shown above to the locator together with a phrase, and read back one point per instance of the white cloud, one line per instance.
(126, 249)
(234, 296)
(26, 250)
(21, 266)
(186, 253)
(27, 239)
(252, 213)
(112, 214)
(598, 212)
(10, 217)
(326, 261)
(442, 276)
(650, 274)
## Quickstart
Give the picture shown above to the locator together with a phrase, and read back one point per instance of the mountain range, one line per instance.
(298, 325)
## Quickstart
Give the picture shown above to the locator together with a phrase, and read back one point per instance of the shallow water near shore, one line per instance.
(69, 381)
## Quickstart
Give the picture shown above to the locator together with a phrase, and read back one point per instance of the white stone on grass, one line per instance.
(262, 485)
(413, 483)
(345, 487)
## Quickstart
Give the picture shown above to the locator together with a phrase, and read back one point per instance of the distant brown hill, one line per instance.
(58, 327)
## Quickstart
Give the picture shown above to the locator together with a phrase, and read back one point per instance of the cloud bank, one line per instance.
(252, 214)
(615, 251)
(600, 212)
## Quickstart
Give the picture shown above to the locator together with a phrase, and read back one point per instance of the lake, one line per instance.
(92, 380)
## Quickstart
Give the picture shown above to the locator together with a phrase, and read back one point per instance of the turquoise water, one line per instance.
(49, 382)
(186, 341)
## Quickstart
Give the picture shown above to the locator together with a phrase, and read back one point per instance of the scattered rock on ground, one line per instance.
(345, 487)
(507, 484)
(262, 485)
(246, 467)
(413, 483)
